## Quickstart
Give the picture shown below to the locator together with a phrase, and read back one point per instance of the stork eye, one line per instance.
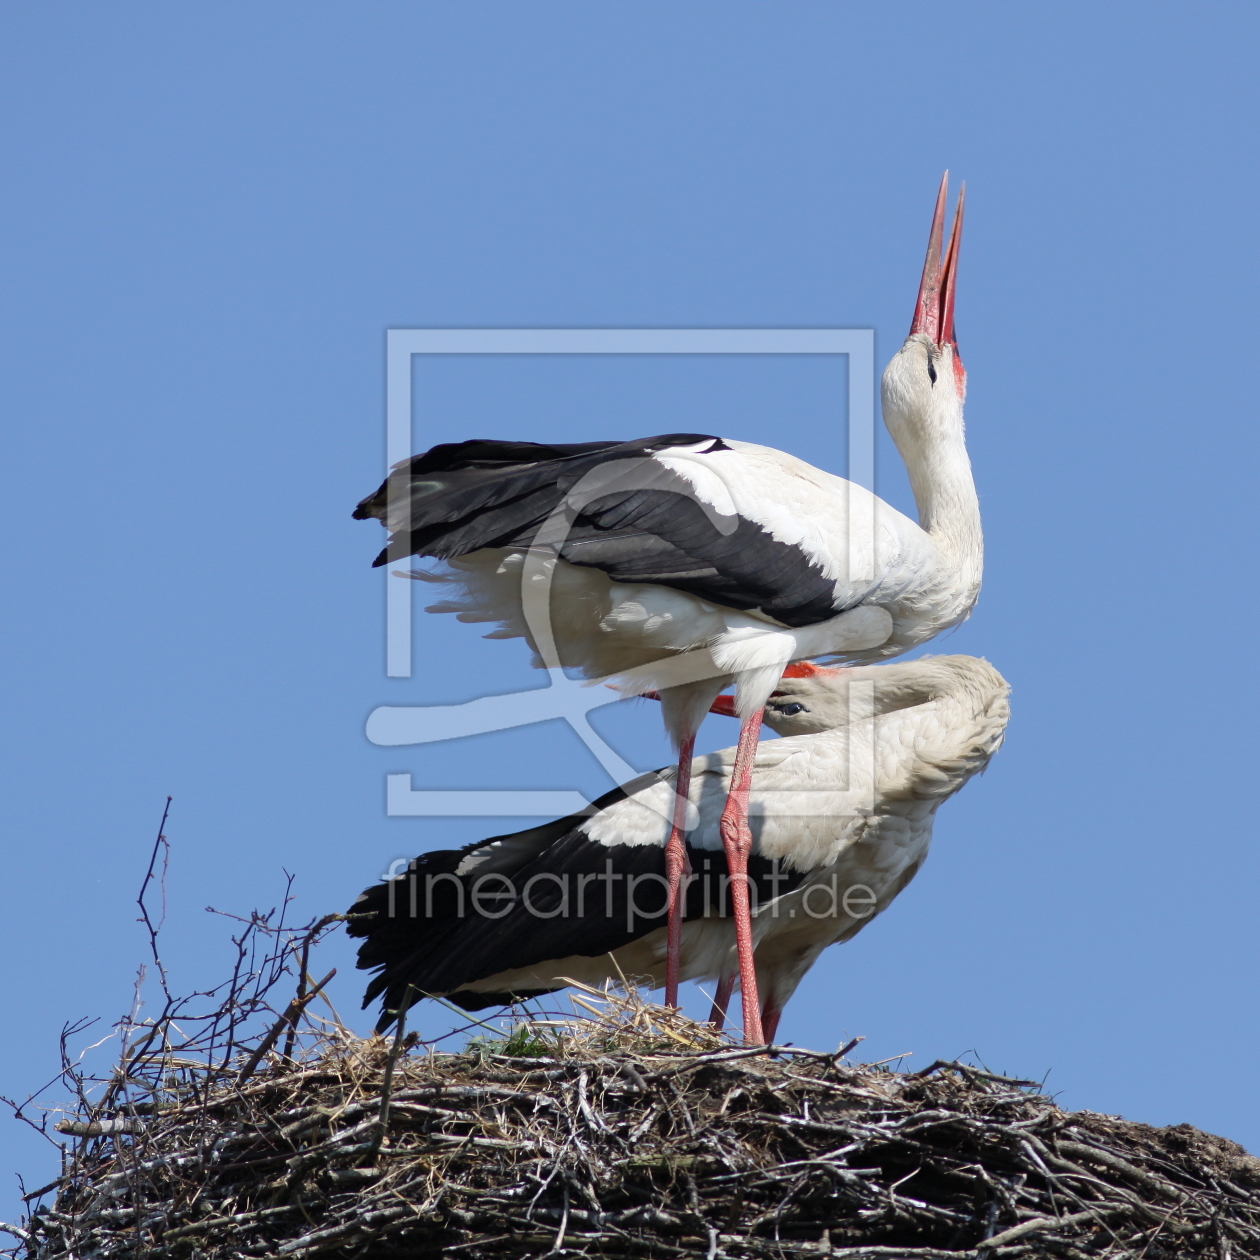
(790, 710)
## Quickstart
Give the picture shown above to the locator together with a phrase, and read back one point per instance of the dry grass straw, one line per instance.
(625, 1130)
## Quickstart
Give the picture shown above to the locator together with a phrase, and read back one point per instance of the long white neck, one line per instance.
(949, 508)
(926, 422)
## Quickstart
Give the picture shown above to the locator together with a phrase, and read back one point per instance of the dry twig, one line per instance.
(626, 1130)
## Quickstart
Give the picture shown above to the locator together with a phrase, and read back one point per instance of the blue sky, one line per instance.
(210, 217)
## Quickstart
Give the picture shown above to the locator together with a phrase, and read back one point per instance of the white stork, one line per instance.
(682, 562)
(842, 810)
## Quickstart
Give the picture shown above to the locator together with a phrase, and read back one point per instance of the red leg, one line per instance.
(737, 841)
(676, 868)
(770, 1019)
(721, 1000)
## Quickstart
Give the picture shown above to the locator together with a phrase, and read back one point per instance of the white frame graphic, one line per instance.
(562, 697)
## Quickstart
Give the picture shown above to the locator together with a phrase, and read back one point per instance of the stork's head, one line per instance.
(814, 698)
(925, 381)
(809, 698)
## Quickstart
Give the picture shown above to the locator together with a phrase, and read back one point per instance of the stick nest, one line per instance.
(630, 1131)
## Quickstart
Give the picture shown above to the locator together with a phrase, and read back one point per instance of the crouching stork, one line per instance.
(841, 811)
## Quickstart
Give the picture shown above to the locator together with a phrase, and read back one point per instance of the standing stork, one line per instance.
(843, 806)
(682, 562)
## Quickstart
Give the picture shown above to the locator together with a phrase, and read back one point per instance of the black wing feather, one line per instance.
(461, 497)
(569, 895)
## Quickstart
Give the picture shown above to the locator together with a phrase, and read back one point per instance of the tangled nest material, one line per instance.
(629, 1131)
(236, 1125)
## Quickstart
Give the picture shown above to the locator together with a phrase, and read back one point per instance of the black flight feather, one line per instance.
(461, 497)
(539, 895)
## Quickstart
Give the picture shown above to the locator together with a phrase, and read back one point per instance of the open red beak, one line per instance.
(934, 310)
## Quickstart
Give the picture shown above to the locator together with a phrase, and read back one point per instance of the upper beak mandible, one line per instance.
(934, 309)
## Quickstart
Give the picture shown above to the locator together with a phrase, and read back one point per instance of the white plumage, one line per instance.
(900, 584)
(683, 562)
(844, 801)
